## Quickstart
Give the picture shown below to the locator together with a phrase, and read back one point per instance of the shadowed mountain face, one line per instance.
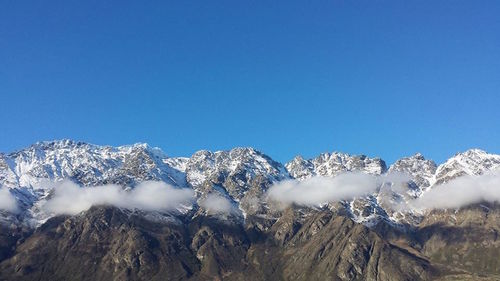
(467, 238)
(464, 242)
(107, 243)
(329, 247)
(9, 237)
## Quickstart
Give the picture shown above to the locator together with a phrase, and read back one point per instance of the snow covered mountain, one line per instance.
(243, 163)
(471, 162)
(331, 164)
(241, 175)
(86, 164)
(420, 170)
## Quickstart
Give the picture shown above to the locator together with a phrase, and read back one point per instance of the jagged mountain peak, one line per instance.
(63, 144)
(473, 155)
(300, 168)
(470, 162)
(298, 158)
(244, 149)
(234, 153)
(418, 156)
(237, 153)
(40, 148)
(204, 165)
(415, 161)
(473, 152)
(333, 163)
(88, 164)
(155, 152)
(138, 146)
(57, 143)
(420, 169)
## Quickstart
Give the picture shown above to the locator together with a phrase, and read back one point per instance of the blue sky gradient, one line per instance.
(383, 78)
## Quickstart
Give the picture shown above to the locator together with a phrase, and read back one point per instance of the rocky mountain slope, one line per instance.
(377, 236)
(106, 243)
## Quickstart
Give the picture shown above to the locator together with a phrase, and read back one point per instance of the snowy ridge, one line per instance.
(204, 165)
(421, 170)
(471, 162)
(331, 164)
(241, 175)
(423, 174)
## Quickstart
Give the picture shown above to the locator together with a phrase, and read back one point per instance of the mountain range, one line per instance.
(230, 227)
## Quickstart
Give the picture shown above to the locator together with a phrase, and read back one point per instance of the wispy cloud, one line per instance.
(69, 198)
(7, 201)
(457, 193)
(217, 204)
(461, 192)
(318, 190)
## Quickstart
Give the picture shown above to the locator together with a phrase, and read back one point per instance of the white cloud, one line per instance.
(70, 198)
(461, 192)
(7, 201)
(217, 204)
(457, 193)
(318, 190)
(395, 181)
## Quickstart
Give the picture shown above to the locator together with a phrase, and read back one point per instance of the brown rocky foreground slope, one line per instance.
(108, 244)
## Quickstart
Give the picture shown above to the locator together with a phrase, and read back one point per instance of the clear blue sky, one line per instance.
(383, 78)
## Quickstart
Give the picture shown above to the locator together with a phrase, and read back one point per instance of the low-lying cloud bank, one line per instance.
(7, 201)
(217, 204)
(457, 193)
(461, 192)
(69, 198)
(318, 190)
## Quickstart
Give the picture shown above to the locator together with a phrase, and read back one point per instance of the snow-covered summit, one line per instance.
(421, 170)
(331, 164)
(241, 160)
(471, 162)
(87, 164)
